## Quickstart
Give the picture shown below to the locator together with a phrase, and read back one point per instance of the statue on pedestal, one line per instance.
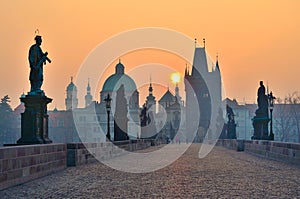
(261, 118)
(148, 128)
(34, 120)
(231, 125)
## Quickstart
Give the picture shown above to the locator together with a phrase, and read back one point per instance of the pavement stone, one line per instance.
(222, 173)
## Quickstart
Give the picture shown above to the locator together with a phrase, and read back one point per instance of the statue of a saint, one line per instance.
(37, 59)
(262, 100)
(260, 93)
(143, 116)
(230, 114)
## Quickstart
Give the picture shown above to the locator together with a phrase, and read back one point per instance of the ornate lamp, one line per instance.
(108, 108)
(271, 103)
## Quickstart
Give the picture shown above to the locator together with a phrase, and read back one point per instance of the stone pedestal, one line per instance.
(260, 125)
(34, 121)
(231, 130)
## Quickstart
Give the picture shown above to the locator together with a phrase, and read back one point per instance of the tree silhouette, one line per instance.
(8, 122)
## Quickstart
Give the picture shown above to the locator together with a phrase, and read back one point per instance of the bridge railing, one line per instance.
(280, 151)
(19, 164)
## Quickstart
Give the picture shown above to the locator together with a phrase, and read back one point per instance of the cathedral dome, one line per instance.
(116, 80)
(71, 86)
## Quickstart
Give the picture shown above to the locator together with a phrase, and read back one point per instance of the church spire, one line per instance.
(88, 88)
(150, 87)
(177, 93)
(150, 100)
(120, 67)
(88, 96)
(217, 63)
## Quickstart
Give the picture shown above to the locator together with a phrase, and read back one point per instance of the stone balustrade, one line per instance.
(19, 164)
(280, 151)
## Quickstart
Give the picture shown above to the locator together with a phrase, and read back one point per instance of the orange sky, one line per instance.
(256, 40)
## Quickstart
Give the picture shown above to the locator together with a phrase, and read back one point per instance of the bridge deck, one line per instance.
(223, 173)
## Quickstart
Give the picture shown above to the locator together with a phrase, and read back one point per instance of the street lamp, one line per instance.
(271, 102)
(108, 107)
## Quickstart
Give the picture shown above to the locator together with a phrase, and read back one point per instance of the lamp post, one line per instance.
(108, 107)
(271, 102)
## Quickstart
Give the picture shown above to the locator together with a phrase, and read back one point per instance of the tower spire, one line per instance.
(217, 62)
(88, 96)
(204, 43)
(195, 42)
(267, 87)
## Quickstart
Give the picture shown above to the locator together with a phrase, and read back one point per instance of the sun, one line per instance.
(175, 78)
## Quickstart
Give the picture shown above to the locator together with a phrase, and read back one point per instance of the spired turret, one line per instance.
(71, 101)
(88, 96)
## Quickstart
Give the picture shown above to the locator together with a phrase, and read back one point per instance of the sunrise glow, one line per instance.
(175, 78)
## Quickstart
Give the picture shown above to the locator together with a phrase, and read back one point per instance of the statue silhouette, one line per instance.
(262, 101)
(37, 59)
(261, 118)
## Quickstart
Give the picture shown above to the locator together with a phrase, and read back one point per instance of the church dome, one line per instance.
(114, 81)
(71, 86)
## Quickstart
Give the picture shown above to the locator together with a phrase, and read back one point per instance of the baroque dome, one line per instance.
(71, 86)
(113, 82)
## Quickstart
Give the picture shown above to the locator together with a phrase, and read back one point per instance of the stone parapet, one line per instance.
(85, 153)
(280, 151)
(19, 164)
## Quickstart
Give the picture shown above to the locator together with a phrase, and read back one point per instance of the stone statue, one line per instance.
(37, 59)
(229, 113)
(143, 116)
(262, 101)
(231, 125)
(261, 118)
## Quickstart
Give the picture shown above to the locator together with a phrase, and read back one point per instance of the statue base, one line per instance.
(231, 130)
(260, 125)
(34, 121)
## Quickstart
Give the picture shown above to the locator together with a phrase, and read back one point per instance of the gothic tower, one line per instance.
(197, 83)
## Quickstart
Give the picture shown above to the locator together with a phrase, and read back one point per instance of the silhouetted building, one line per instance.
(150, 101)
(71, 100)
(111, 85)
(197, 83)
(148, 116)
(173, 109)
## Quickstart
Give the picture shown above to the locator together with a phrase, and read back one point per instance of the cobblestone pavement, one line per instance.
(222, 174)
